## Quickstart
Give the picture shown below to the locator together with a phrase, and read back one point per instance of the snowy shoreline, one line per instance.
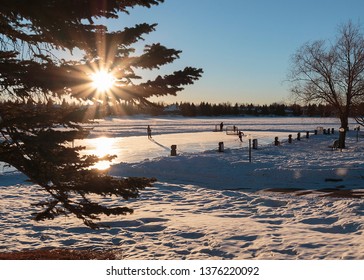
(211, 205)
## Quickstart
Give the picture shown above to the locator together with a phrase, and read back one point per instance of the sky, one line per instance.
(243, 46)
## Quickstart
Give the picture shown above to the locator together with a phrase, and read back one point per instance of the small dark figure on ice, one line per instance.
(149, 132)
(241, 136)
(221, 126)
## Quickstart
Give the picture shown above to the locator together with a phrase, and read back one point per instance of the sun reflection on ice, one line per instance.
(101, 147)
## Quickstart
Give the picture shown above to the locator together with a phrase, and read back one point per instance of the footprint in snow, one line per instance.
(217, 253)
(340, 229)
(153, 220)
(124, 224)
(320, 221)
(148, 228)
(191, 235)
(268, 202)
(271, 222)
(243, 237)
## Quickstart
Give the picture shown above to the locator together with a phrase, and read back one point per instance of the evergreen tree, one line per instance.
(37, 37)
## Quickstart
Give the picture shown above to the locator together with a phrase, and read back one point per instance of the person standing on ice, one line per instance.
(221, 126)
(149, 132)
(240, 136)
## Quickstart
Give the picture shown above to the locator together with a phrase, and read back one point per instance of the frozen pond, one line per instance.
(127, 139)
(138, 148)
(136, 126)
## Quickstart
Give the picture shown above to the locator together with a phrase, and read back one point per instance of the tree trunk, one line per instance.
(342, 134)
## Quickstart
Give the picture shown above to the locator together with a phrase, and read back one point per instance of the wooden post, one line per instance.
(307, 134)
(173, 150)
(357, 133)
(255, 144)
(250, 149)
(299, 136)
(342, 138)
(221, 147)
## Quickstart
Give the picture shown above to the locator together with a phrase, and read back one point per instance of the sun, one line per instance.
(102, 80)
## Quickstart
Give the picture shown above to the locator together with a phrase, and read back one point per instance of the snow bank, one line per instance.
(305, 164)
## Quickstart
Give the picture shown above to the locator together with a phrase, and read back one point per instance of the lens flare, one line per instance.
(102, 81)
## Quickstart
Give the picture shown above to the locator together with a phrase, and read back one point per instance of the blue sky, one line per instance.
(244, 46)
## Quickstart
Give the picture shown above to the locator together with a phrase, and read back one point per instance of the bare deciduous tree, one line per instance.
(331, 73)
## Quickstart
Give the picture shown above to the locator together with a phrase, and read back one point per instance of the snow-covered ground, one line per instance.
(211, 205)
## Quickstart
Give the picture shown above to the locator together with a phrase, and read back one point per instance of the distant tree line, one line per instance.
(206, 109)
(188, 109)
(274, 109)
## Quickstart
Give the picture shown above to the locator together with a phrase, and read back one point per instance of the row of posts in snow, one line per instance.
(253, 143)
(316, 131)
